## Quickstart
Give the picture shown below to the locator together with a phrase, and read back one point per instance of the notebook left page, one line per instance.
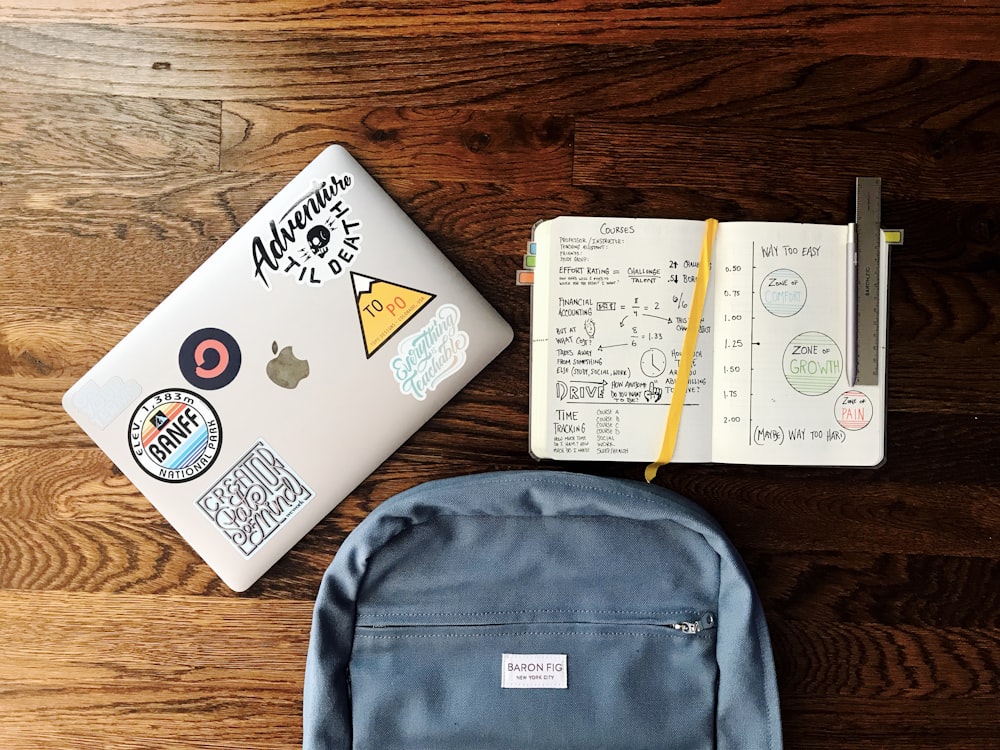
(608, 315)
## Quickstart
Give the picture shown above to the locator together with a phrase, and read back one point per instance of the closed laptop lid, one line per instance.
(287, 367)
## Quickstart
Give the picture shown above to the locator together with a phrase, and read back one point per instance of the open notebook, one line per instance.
(615, 302)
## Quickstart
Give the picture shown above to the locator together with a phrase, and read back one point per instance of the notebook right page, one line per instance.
(781, 387)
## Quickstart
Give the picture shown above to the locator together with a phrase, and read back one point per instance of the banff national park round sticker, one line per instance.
(175, 435)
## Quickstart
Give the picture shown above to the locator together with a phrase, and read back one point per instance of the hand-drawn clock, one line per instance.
(653, 363)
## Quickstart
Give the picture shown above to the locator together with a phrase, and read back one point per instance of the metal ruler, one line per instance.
(869, 244)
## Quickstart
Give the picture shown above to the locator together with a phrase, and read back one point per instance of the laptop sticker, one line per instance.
(315, 240)
(384, 308)
(175, 435)
(209, 359)
(102, 404)
(255, 498)
(431, 355)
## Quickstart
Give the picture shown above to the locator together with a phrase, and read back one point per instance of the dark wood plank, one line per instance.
(770, 79)
(84, 209)
(433, 143)
(913, 163)
(102, 671)
(925, 591)
(898, 722)
(690, 85)
(58, 342)
(870, 660)
(939, 29)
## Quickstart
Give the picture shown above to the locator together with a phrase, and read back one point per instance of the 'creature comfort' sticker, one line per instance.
(255, 498)
(175, 435)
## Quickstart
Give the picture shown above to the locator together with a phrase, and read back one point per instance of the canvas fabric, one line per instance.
(450, 597)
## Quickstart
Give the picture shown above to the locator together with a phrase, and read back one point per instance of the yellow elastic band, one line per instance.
(687, 352)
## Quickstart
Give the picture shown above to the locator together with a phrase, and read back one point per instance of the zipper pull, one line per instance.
(707, 622)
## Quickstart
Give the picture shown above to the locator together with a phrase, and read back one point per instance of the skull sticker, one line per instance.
(319, 240)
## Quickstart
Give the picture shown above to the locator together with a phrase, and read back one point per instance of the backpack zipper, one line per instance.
(688, 627)
(693, 627)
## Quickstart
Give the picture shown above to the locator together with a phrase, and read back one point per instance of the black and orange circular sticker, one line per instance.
(210, 359)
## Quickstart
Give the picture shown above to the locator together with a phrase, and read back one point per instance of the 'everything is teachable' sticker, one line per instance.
(431, 355)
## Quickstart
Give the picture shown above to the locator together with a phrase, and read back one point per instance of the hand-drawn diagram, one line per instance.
(783, 292)
(622, 347)
(812, 363)
(653, 363)
(853, 410)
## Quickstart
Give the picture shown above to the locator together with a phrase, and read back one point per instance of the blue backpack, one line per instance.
(539, 610)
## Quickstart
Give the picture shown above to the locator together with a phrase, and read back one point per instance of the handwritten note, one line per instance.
(610, 307)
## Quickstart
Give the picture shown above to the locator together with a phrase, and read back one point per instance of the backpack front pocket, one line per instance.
(534, 679)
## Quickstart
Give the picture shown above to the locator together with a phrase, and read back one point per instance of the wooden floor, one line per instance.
(135, 137)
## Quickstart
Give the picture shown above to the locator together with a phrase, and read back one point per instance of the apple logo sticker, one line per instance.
(286, 369)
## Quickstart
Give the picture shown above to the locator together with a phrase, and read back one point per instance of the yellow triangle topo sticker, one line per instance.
(384, 308)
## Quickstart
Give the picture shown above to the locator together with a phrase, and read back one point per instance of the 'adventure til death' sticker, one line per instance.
(315, 240)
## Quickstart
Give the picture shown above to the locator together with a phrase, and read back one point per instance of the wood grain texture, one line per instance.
(920, 27)
(923, 164)
(207, 668)
(692, 84)
(873, 724)
(89, 132)
(136, 137)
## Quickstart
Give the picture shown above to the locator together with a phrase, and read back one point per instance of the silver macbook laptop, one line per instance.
(287, 367)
